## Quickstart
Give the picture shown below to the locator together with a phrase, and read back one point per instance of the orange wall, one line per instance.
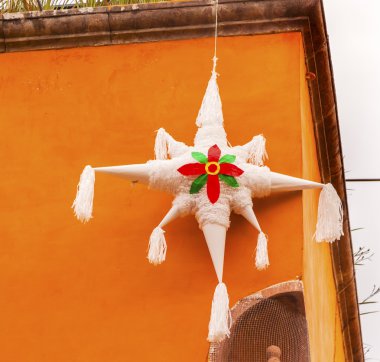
(325, 335)
(73, 292)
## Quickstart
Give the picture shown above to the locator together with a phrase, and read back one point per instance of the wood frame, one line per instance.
(185, 20)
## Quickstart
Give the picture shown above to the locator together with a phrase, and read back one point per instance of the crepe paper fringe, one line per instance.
(330, 215)
(161, 151)
(257, 151)
(83, 202)
(166, 146)
(210, 113)
(262, 260)
(157, 247)
(220, 320)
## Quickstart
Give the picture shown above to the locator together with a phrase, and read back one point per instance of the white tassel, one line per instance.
(257, 151)
(210, 112)
(220, 320)
(82, 204)
(157, 247)
(161, 145)
(330, 216)
(262, 260)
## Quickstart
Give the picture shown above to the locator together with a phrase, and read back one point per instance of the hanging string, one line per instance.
(215, 39)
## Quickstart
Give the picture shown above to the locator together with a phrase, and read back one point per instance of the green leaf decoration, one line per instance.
(227, 159)
(198, 183)
(229, 180)
(200, 157)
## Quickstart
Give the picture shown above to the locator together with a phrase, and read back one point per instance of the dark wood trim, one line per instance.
(332, 170)
(148, 22)
(2, 36)
(185, 20)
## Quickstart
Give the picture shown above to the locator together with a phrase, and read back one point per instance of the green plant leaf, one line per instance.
(227, 159)
(198, 183)
(199, 156)
(229, 180)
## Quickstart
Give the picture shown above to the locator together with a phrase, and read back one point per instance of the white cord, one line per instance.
(215, 37)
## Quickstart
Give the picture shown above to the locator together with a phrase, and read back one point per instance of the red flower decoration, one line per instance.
(210, 170)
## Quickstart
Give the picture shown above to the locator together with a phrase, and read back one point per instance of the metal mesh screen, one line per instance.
(278, 321)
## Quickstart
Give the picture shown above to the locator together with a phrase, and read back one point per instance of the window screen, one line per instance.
(275, 321)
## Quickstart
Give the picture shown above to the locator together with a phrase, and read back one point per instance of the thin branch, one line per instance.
(356, 229)
(362, 255)
(368, 300)
(366, 349)
(374, 292)
(371, 312)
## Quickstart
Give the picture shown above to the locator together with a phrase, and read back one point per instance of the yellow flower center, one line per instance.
(212, 168)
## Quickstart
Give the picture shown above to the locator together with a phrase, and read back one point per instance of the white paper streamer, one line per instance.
(220, 320)
(262, 260)
(330, 215)
(157, 247)
(83, 202)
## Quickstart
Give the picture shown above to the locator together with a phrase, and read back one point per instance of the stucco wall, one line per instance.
(73, 292)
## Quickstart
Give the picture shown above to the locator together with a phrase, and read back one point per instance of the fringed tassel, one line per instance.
(330, 216)
(161, 145)
(157, 247)
(262, 260)
(82, 204)
(257, 151)
(220, 320)
(210, 112)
